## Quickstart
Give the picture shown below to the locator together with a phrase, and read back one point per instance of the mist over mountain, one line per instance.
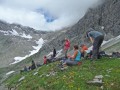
(45, 14)
(18, 43)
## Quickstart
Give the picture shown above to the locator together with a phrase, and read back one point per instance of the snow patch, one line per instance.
(5, 32)
(116, 38)
(26, 36)
(59, 52)
(15, 33)
(10, 72)
(105, 42)
(49, 54)
(37, 48)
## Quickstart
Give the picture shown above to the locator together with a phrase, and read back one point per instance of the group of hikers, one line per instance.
(31, 67)
(95, 37)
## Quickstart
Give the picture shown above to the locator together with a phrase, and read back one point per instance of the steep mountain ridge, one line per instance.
(16, 40)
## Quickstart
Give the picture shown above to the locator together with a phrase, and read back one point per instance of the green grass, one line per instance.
(73, 78)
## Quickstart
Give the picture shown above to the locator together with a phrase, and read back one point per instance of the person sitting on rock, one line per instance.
(75, 58)
(24, 70)
(33, 66)
(84, 49)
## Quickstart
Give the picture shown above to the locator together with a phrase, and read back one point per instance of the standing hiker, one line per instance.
(66, 46)
(96, 38)
(44, 60)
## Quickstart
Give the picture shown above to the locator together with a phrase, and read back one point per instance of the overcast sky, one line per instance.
(44, 14)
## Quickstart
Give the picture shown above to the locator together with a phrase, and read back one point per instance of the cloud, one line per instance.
(56, 14)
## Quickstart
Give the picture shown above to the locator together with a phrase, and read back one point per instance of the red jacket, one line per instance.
(45, 60)
(67, 45)
(85, 48)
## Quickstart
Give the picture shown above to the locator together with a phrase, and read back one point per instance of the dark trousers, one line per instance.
(96, 46)
(66, 53)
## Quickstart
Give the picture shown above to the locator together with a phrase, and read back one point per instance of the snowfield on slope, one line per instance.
(18, 59)
(15, 33)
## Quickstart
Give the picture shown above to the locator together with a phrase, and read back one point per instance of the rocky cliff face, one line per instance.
(104, 18)
(16, 40)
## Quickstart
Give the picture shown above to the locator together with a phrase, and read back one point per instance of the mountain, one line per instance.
(16, 41)
(104, 18)
(19, 40)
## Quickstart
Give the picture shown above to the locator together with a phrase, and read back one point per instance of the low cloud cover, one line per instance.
(44, 14)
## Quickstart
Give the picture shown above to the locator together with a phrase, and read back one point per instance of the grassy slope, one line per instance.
(74, 78)
(15, 67)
